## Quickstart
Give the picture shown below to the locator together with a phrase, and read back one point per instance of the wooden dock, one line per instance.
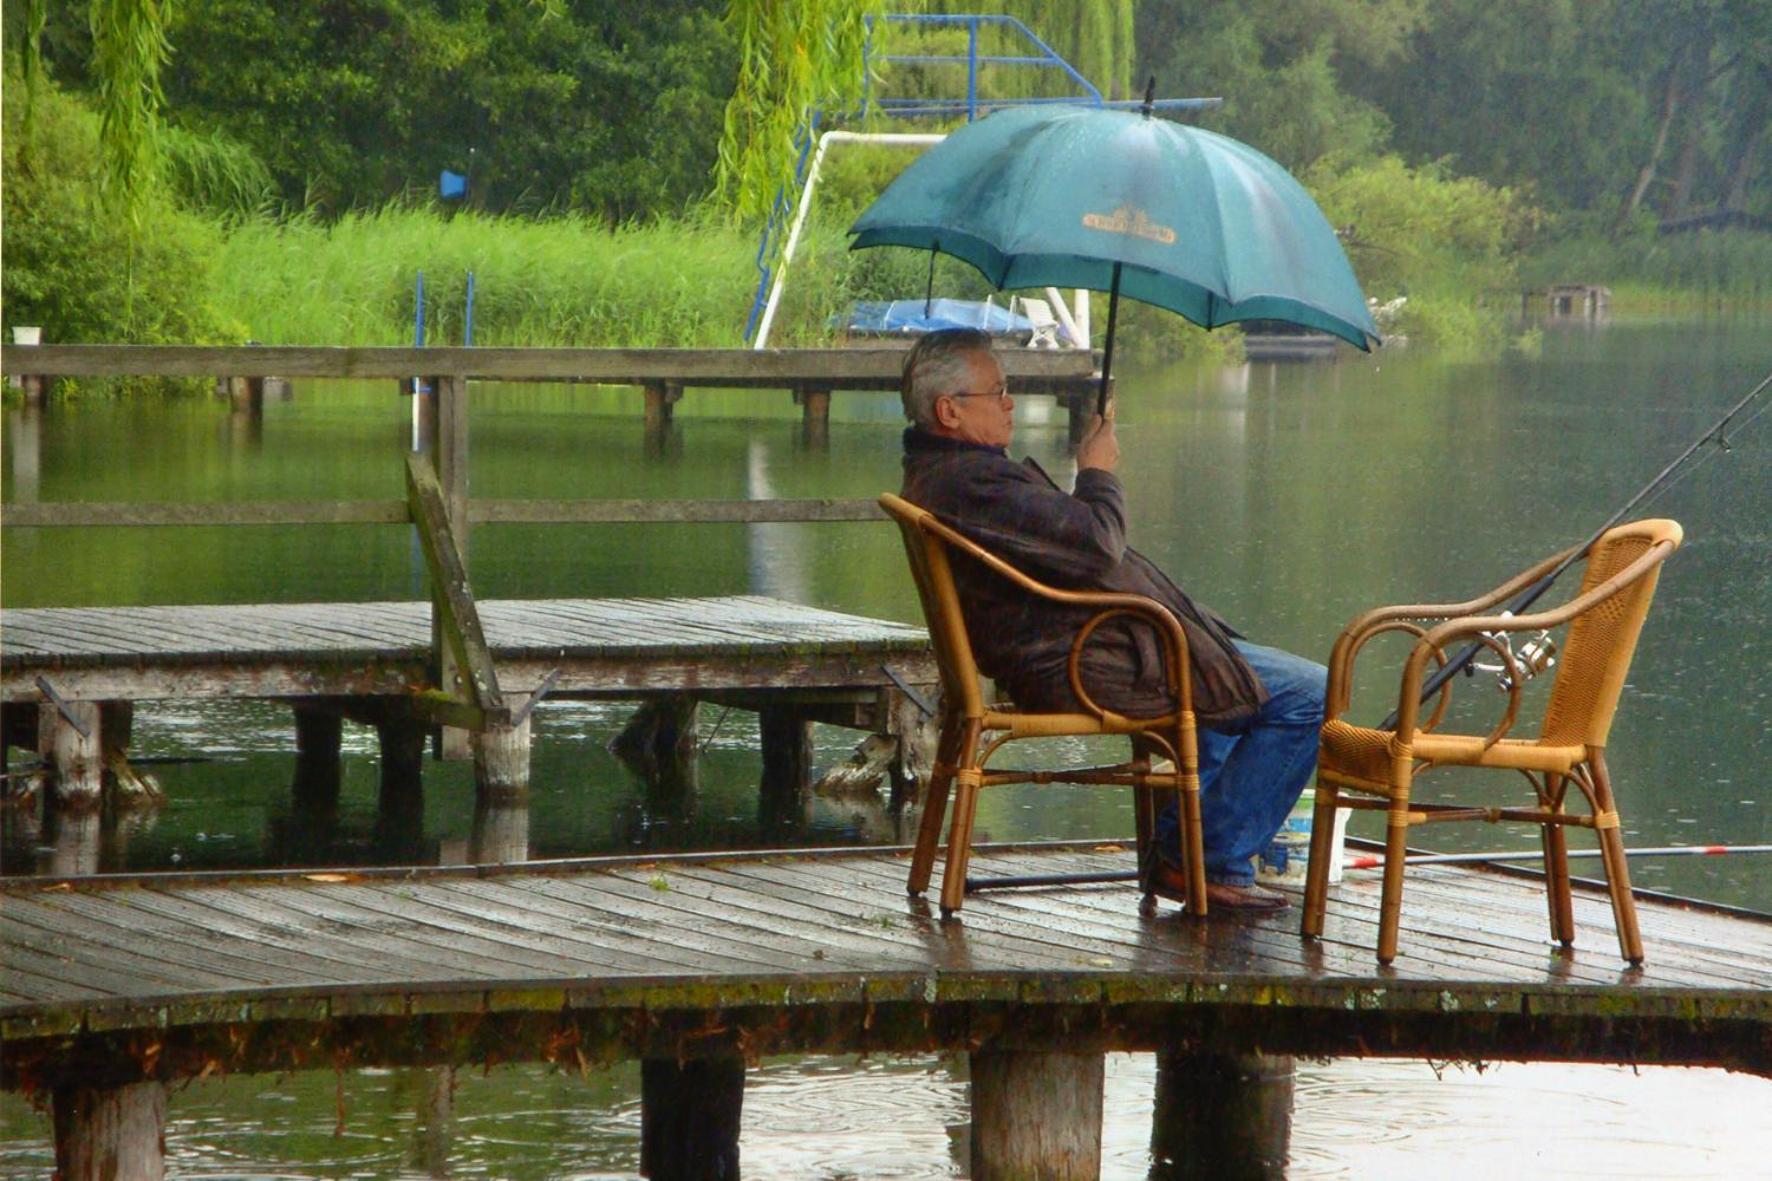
(64, 668)
(722, 957)
(584, 647)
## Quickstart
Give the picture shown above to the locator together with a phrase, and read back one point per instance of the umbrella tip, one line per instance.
(1150, 95)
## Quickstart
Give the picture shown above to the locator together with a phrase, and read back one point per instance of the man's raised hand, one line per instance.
(1099, 447)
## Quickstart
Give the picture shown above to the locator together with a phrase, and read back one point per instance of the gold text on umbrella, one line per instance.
(1127, 220)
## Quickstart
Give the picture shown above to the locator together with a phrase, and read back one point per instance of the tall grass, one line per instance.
(554, 281)
(1648, 271)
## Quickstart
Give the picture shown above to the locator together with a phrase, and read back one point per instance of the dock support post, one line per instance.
(501, 793)
(1036, 1115)
(436, 1120)
(815, 416)
(787, 767)
(661, 400)
(312, 825)
(689, 1118)
(1221, 1115)
(400, 817)
(916, 733)
(110, 1133)
(1080, 408)
(246, 395)
(24, 438)
(75, 760)
(319, 736)
(76, 842)
(659, 742)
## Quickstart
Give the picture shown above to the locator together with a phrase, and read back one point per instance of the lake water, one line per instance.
(1287, 496)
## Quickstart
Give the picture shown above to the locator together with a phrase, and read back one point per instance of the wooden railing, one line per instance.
(661, 374)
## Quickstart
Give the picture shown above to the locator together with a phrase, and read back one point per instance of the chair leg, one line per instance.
(1624, 906)
(935, 805)
(1556, 872)
(1396, 848)
(1144, 815)
(966, 786)
(1316, 880)
(1193, 841)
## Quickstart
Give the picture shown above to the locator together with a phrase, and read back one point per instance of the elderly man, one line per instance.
(1259, 708)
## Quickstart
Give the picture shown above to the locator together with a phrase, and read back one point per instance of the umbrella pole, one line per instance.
(1107, 353)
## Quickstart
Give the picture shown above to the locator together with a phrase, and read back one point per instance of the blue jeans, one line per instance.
(1250, 779)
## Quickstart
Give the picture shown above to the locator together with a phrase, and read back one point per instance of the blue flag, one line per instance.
(452, 186)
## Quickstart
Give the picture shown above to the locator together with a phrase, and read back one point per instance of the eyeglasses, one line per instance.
(1000, 393)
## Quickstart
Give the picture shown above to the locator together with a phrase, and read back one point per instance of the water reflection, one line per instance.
(907, 1118)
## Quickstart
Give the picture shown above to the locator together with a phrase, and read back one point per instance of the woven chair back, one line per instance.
(933, 573)
(1598, 649)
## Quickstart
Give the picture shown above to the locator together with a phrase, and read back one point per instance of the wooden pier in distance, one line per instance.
(662, 376)
(791, 664)
(123, 985)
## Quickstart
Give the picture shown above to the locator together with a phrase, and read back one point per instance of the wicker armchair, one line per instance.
(972, 731)
(1362, 768)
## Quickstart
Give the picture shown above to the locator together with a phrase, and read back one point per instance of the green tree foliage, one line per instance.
(71, 264)
(794, 58)
(1279, 65)
(1445, 242)
(1608, 106)
(601, 107)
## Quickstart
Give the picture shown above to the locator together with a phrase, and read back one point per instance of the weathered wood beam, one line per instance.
(689, 1118)
(458, 618)
(872, 368)
(448, 453)
(1036, 1115)
(1222, 1115)
(395, 512)
(110, 1133)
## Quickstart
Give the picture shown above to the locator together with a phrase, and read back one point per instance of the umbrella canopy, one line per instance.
(1192, 221)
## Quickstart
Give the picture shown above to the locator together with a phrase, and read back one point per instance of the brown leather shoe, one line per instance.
(1224, 896)
(1171, 884)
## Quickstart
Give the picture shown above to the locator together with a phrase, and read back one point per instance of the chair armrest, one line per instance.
(1366, 625)
(1435, 640)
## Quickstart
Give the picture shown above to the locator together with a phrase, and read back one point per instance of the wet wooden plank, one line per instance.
(845, 938)
(234, 917)
(720, 922)
(122, 930)
(997, 941)
(652, 950)
(338, 631)
(307, 919)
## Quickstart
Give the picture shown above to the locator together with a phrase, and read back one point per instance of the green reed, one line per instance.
(559, 280)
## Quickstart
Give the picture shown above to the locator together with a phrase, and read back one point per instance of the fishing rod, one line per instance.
(1375, 861)
(1372, 861)
(1665, 479)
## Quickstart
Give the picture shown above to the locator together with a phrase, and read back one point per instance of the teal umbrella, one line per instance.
(1192, 221)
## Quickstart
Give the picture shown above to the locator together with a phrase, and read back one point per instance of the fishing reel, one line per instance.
(1533, 657)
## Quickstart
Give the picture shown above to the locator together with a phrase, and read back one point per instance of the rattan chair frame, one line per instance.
(973, 730)
(1379, 767)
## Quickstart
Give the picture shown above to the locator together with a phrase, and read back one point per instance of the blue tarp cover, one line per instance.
(905, 316)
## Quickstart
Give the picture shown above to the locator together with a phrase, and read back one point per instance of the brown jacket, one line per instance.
(1076, 541)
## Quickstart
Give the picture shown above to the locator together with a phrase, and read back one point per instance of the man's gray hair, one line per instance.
(938, 365)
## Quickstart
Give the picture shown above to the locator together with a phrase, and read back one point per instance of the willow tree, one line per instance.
(129, 46)
(796, 57)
